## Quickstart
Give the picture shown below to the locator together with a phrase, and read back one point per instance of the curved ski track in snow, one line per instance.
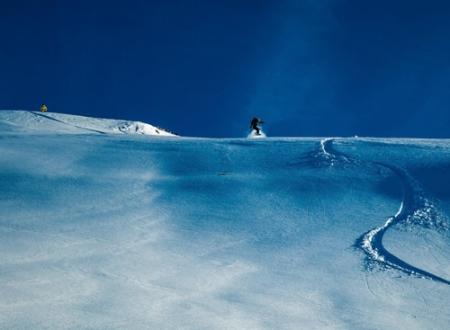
(324, 144)
(413, 204)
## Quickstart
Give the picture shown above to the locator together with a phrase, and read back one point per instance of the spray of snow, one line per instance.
(51, 123)
(253, 135)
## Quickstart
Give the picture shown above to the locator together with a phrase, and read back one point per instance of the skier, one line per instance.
(43, 108)
(254, 125)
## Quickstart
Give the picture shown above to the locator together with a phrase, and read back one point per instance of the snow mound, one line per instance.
(142, 128)
(50, 123)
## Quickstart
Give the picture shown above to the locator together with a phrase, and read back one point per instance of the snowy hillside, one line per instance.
(108, 231)
(51, 123)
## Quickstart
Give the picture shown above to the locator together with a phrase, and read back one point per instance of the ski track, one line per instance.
(413, 203)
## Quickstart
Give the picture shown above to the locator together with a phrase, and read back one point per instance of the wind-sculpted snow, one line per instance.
(414, 208)
(123, 231)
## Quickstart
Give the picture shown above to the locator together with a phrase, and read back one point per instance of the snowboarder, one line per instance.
(254, 125)
(43, 108)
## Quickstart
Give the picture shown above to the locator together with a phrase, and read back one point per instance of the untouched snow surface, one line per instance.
(114, 231)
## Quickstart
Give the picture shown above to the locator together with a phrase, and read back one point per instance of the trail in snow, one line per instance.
(319, 158)
(324, 152)
(333, 155)
(414, 207)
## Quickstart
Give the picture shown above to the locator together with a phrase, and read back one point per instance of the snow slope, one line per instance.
(115, 231)
(51, 123)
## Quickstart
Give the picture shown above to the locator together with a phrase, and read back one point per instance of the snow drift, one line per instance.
(117, 230)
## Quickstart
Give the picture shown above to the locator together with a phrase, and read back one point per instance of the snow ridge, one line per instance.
(414, 208)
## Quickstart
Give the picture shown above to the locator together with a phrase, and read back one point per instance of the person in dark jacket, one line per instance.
(254, 125)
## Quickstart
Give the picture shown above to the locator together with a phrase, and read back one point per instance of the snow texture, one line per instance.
(103, 228)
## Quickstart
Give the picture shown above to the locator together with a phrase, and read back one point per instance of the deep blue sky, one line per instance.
(204, 68)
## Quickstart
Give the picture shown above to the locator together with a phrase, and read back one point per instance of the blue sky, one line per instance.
(204, 68)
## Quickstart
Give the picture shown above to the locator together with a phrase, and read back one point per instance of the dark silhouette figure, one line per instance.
(254, 125)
